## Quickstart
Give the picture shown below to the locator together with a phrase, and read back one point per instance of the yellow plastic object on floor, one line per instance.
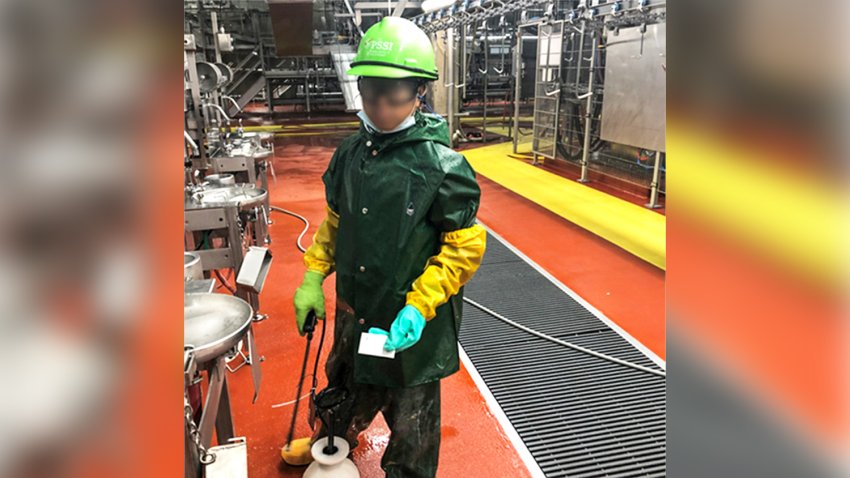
(445, 273)
(297, 453)
(634, 228)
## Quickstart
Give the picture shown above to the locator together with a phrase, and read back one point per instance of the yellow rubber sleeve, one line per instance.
(319, 257)
(445, 273)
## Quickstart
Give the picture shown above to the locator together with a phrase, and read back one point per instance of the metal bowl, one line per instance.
(214, 323)
(220, 180)
(241, 195)
(192, 269)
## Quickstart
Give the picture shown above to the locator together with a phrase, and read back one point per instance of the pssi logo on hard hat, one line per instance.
(381, 45)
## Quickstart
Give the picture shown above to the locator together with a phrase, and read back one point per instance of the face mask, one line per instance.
(407, 123)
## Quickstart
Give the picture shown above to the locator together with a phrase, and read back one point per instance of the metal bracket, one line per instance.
(255, 268)
(189, 42)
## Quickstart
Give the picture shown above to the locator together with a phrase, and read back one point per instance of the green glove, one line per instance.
(309, 296)
(405, 330)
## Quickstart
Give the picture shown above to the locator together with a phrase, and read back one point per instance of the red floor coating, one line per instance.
(777, 336)
(626, 289)
(473, 442)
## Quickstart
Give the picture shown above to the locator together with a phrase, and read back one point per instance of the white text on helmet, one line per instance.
(379, 45)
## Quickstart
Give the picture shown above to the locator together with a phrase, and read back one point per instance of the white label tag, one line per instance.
(373, 344)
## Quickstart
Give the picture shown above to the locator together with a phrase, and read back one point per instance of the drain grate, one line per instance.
(578, 415)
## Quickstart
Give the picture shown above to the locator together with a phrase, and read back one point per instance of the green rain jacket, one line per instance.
(395, 194)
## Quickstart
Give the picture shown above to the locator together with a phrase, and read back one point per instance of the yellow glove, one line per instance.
(319, 257)
(445, 273)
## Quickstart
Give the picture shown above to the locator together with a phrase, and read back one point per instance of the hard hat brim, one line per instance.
(386, 71)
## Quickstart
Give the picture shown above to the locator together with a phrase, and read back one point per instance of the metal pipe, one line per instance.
(462, 64)
(191, 141)
(580, 51)
(529, 24)
(226, 97)
(353, 17)
(323, 100)
(307, 90)
(517, 85)
(653, 188)
(446, 64)
(486, 83)
(214, 25)
(450, 74)
(220, 109)
(585, 153)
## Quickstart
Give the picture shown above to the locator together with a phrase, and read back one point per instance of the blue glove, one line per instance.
(405, 330)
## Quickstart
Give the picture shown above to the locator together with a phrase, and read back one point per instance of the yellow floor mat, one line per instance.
(634, 228)
(795, 218)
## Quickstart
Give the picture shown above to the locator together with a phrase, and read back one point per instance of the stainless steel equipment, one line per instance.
(634, 110)
(348, 84)
(247, 159)
(210, 76)
(192, 269)
(241, 209)
(214, 323)
(220, 180)
(547, 89)
(242, 196)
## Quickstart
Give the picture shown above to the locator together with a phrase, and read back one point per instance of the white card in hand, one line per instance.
(373, 344)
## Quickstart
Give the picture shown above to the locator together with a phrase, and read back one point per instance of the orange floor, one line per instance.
(625, 288)
(472, 439)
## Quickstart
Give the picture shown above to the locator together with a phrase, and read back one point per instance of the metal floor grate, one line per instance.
(578, 415)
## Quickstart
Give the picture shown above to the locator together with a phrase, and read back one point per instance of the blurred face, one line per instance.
(389, 101)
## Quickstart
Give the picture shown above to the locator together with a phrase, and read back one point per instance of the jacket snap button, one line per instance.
(374, 152)
(365, 210)
(368, 143)
(361, 321)
(362, 268)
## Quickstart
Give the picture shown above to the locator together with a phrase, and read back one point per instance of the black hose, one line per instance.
(316, 363)
(291, 431)
(315, 381)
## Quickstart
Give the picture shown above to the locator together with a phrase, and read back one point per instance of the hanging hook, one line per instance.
(572, 43)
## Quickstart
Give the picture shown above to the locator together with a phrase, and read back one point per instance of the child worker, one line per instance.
(401, 235)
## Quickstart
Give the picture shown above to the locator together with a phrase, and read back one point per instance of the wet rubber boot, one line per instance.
(297, 453)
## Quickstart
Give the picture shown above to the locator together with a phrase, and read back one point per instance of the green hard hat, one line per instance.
(395, 48)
